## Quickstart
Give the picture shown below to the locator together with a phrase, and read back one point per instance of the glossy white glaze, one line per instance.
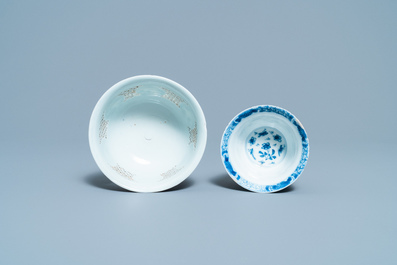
(147, 133)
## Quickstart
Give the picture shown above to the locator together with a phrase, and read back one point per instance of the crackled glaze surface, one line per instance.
(147, 133)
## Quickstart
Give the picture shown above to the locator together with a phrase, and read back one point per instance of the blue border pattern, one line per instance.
(252, 186)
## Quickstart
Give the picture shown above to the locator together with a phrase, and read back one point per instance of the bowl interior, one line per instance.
(147, 133)
(263, 148)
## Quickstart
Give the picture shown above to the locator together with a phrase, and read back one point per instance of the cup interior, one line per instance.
(263, 147)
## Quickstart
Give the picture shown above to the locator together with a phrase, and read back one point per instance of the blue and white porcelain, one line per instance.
(147, 133)
(265, 148)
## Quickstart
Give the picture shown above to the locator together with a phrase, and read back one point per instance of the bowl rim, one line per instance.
(201, 122)
(246, 183)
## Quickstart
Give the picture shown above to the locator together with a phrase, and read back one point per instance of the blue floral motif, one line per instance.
(264, 133)
(252, 140)
(267, 153)
(251, 152)
(277, 138)
(256, 187)
(266, 146)
(280, 150)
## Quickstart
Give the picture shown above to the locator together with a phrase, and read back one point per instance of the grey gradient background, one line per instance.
(331, 63)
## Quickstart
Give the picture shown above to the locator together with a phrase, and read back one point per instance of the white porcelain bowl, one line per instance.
(147, 133)
(264, 148)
